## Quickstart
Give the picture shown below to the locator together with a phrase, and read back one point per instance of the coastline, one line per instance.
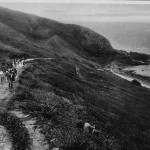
(130, 75)
(143, 70)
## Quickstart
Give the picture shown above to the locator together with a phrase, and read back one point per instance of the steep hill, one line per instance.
(33, 36)
(38, 36)
(54, 96)
(58, 95)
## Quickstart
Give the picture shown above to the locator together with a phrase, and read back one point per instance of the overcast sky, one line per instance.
(88, 11)
(73, 10)
(94, 13)
(84, 1)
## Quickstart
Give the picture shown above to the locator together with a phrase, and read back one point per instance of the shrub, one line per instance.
(135, 82)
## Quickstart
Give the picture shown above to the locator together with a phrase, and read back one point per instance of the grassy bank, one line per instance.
(18, 133)
(53, 93)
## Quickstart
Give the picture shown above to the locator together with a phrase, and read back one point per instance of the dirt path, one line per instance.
(5, 142)
(37, 139)
(5, 94)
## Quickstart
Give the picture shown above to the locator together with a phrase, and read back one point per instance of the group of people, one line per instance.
(18, 62)
(10, 74)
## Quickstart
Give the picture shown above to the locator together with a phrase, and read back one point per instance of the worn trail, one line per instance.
(5, 142)
(37, 139)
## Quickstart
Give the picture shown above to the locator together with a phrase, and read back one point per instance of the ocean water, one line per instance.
(129, 36)
(143, 70)
(126, 26)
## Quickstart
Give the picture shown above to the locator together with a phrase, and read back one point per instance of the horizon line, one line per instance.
(79, 1)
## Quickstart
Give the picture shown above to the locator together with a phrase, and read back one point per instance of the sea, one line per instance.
(127, 26)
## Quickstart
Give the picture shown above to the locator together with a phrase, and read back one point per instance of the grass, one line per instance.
(57, 96)
(18, 133)
(51, 91)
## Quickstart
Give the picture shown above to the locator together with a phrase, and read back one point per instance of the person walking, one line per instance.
(3, 78)
(14, 70)
(11, 78)
(0, 78)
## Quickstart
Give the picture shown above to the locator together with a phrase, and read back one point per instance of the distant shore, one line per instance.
(141, 73)
(143, 70)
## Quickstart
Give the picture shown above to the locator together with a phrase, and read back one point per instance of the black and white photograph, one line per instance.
(74, 74)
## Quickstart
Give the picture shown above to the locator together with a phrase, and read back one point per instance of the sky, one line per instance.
(84, 10)
(101, 16)
(87, 11)
(83, 1)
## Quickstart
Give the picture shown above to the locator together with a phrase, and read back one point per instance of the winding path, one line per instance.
(37, 139)
(25, 123)
(5, 142)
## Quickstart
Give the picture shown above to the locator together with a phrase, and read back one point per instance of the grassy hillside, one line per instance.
(40, 36)
(34, 36)
(53, 93)
(59, 92)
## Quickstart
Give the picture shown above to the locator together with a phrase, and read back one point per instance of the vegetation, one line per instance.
(135, 82)
(51, 91)
(33, 36)
(140, 57)
(59, 92)
(19, 134)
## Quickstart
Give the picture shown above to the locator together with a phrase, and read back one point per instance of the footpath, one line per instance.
(6, 141)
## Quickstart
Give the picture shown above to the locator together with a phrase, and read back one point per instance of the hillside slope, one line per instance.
(57, 96)
(33, 36)
(30, 34)
(57, 93)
